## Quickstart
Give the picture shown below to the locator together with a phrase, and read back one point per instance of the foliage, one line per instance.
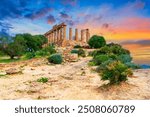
(43, 80)
(14, 49)
(55, 58)
(115, 72)
(21, 44)
(74, 51)
(124, 58)
(77, 46)
(35, 42)
(50, 49)
(103, 65)
(29, 55)
(96, 41)
(132, 65)
(92, 53)
(99, 59)
(81, 52)
(41, 53)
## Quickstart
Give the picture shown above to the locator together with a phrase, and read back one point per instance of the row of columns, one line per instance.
(58, 34)
(84, 33)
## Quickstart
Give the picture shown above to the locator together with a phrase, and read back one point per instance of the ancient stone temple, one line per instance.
(58, 36)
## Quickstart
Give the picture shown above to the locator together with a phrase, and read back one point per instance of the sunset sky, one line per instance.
(123, 21)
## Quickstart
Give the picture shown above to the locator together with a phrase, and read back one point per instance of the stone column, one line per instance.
(57, 35)
(60, 34)
(70, 33)
(64, 33)
(76, 34)
(87, 35)
(52, 37)
(82, 35)
(50, 40)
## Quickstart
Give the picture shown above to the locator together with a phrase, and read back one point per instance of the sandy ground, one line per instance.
(71, 81)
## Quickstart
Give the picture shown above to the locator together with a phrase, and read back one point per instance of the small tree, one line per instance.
(81, 52)
(115, 72)
(96, 41)
(14, 49)
(55, 58)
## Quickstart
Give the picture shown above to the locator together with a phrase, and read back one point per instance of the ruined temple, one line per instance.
(58, 36)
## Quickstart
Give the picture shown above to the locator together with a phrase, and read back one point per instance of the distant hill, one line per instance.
(145, 66)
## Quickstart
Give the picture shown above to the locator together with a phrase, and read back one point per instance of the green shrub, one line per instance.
(117, 49)
(43, 80)
(74, 51)
(96, 41)
(77, 46)
(116, 72)
(41, 53)
(50, 49)
(91, 63)
(55, 58)
(132, 65)
(81, 52)
(103, 50)
(30, 55)
(124, 58)
(92, 53)
(104, 65)
(99, 59)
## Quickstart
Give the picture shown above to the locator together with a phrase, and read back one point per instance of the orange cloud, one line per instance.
(125, 29)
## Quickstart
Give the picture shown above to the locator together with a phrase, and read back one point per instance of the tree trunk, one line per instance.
(12, 57)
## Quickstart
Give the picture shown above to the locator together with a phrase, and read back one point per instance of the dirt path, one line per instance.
(71, 81)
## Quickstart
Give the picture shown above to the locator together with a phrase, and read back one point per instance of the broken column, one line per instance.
(70, 33)
(87, 35)
(76, 34)
(82, 35)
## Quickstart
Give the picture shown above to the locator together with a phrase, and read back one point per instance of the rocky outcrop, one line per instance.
(13, 71)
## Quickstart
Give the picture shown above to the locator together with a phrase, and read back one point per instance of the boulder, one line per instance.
(13, 71)
(71, 57)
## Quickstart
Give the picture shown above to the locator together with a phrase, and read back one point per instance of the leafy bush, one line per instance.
(81, 52)
(43, 80)
(103, 50)
(74, 51)
(103, 65)
(115, 72)
(55, 58)
(100, 59)
(50, 49)
(30, 55)
(124, 58)
(77, 46)
(117, 49)
(97, 41)
(91, 63)
(92, 53)
(132, 65)
(41, 53)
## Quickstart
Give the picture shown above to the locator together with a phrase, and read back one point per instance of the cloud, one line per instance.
(4, 29)
(64, 15)
(10, 8)
(38, 14)
(105, 25)
(138, 4)
(69, 2)
(141, 43)
(51, 19)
